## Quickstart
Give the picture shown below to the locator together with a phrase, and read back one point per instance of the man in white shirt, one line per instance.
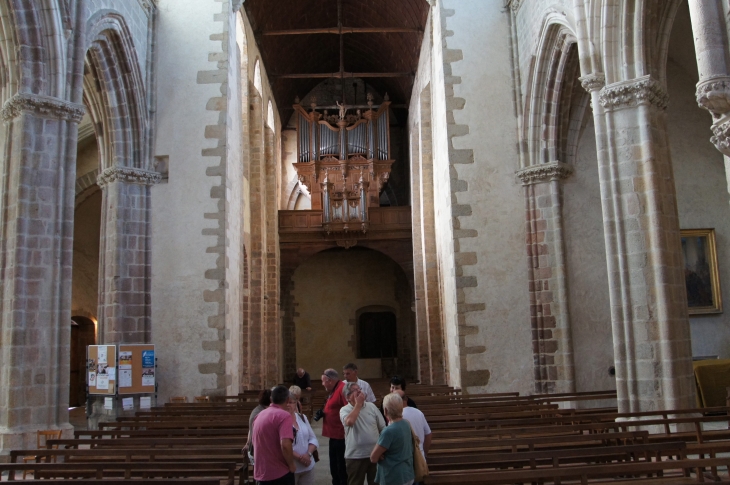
(363, 424)
(418, 424)
(350, 373)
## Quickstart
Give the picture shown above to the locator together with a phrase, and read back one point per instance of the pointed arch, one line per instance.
(115, 93)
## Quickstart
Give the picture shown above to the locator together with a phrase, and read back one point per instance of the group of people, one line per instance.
(364, 442)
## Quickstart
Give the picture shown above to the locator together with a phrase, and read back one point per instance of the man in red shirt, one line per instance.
(332, 426)
(272, 438)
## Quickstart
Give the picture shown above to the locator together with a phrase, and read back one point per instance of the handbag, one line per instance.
(420, 468)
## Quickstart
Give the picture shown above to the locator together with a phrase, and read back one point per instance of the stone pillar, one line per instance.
(713, 89)
(37, 209)
(651, 334)
(124, 263)
(552, 343)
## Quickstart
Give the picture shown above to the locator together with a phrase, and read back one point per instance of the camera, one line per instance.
(319, 414)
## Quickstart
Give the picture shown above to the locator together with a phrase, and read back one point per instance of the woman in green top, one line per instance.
(394, 451)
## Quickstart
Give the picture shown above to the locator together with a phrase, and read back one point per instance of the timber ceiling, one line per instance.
(385, 49)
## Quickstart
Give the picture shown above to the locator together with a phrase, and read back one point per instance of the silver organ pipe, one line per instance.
(329, 141)
(357, 140)
(304, 139)
(383, 136)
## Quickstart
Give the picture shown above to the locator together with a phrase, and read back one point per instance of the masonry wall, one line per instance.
(588, 301)
(180, 229)
(329, 289)
(487, 204)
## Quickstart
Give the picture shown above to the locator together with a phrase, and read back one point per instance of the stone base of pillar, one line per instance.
(25, 438)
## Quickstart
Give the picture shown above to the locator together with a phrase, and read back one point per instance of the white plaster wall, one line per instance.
(585, 251)
(179, 257)
(699, 172)
(481, 30)
(234, 204)
(442, 191)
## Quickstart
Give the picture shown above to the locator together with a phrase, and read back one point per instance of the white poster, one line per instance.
(125, 378)
(92, 379)
(102, 381)
(145, 402)
(148, 377)
(128, 403)
(109, 403)
(101, 354)
(112, 373)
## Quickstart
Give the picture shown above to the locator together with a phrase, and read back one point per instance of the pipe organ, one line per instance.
(344, 162)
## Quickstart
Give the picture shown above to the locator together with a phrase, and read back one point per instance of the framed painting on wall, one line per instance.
(701, 274)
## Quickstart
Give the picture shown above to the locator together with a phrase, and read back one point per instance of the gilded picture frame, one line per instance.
(701, 274)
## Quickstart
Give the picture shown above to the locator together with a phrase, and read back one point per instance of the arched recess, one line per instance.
(555, 109)
(323, 288)
(117, 98)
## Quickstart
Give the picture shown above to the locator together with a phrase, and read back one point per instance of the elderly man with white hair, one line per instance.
(363, 423)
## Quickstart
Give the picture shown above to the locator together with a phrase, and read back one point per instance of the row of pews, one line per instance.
(478, 438)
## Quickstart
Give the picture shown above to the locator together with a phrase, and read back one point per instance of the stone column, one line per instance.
(37, 209)
(552, 343)
(651, 334)
(124, 263)
(713, 89)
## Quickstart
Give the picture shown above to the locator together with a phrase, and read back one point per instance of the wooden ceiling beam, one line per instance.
(345, 30)
(327, 75)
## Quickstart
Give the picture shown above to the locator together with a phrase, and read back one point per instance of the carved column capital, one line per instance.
(544, 172)
(514, 4)
(128, 175)
(593, 82)
(714, 95)
(634, 92)
(721, 135)
(45, 106)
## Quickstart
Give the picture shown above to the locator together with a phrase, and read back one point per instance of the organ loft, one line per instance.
(343, 160)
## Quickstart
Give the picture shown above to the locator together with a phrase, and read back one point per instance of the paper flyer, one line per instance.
(148, 377)
(145, 402)
(112, 373)
(102, 381)
(109, 403)
(148, 359)
(92, 379)
(125, 360)
(101, 354)
(128, 403)
(125, 378)
(101, 369)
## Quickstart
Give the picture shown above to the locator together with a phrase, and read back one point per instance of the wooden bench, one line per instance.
(221, 470)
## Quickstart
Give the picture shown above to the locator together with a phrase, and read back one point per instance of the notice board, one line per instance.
(136, 373)
(101, 366)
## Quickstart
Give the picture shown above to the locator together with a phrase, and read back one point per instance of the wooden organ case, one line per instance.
(343, 160)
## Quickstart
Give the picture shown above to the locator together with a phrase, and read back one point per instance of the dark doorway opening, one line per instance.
(377, 335)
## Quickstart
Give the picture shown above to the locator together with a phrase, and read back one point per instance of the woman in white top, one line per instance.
(305, 444)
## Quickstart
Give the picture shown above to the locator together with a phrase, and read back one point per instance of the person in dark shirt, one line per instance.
(398, 383)
(302, 379)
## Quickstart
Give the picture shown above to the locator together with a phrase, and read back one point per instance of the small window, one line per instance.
(377, 335)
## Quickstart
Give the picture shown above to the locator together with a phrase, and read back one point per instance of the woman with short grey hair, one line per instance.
(394, 451)
(304, 445)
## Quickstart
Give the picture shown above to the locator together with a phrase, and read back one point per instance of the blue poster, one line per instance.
(148, 359)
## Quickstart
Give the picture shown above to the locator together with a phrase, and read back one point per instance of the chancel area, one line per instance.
(490, 196)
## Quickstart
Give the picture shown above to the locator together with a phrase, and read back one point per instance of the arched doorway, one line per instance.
(83, 334)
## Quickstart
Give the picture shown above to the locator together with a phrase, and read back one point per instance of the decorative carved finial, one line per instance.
(313, 102)
(386, 97)
(370, 100)
(297, 100)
